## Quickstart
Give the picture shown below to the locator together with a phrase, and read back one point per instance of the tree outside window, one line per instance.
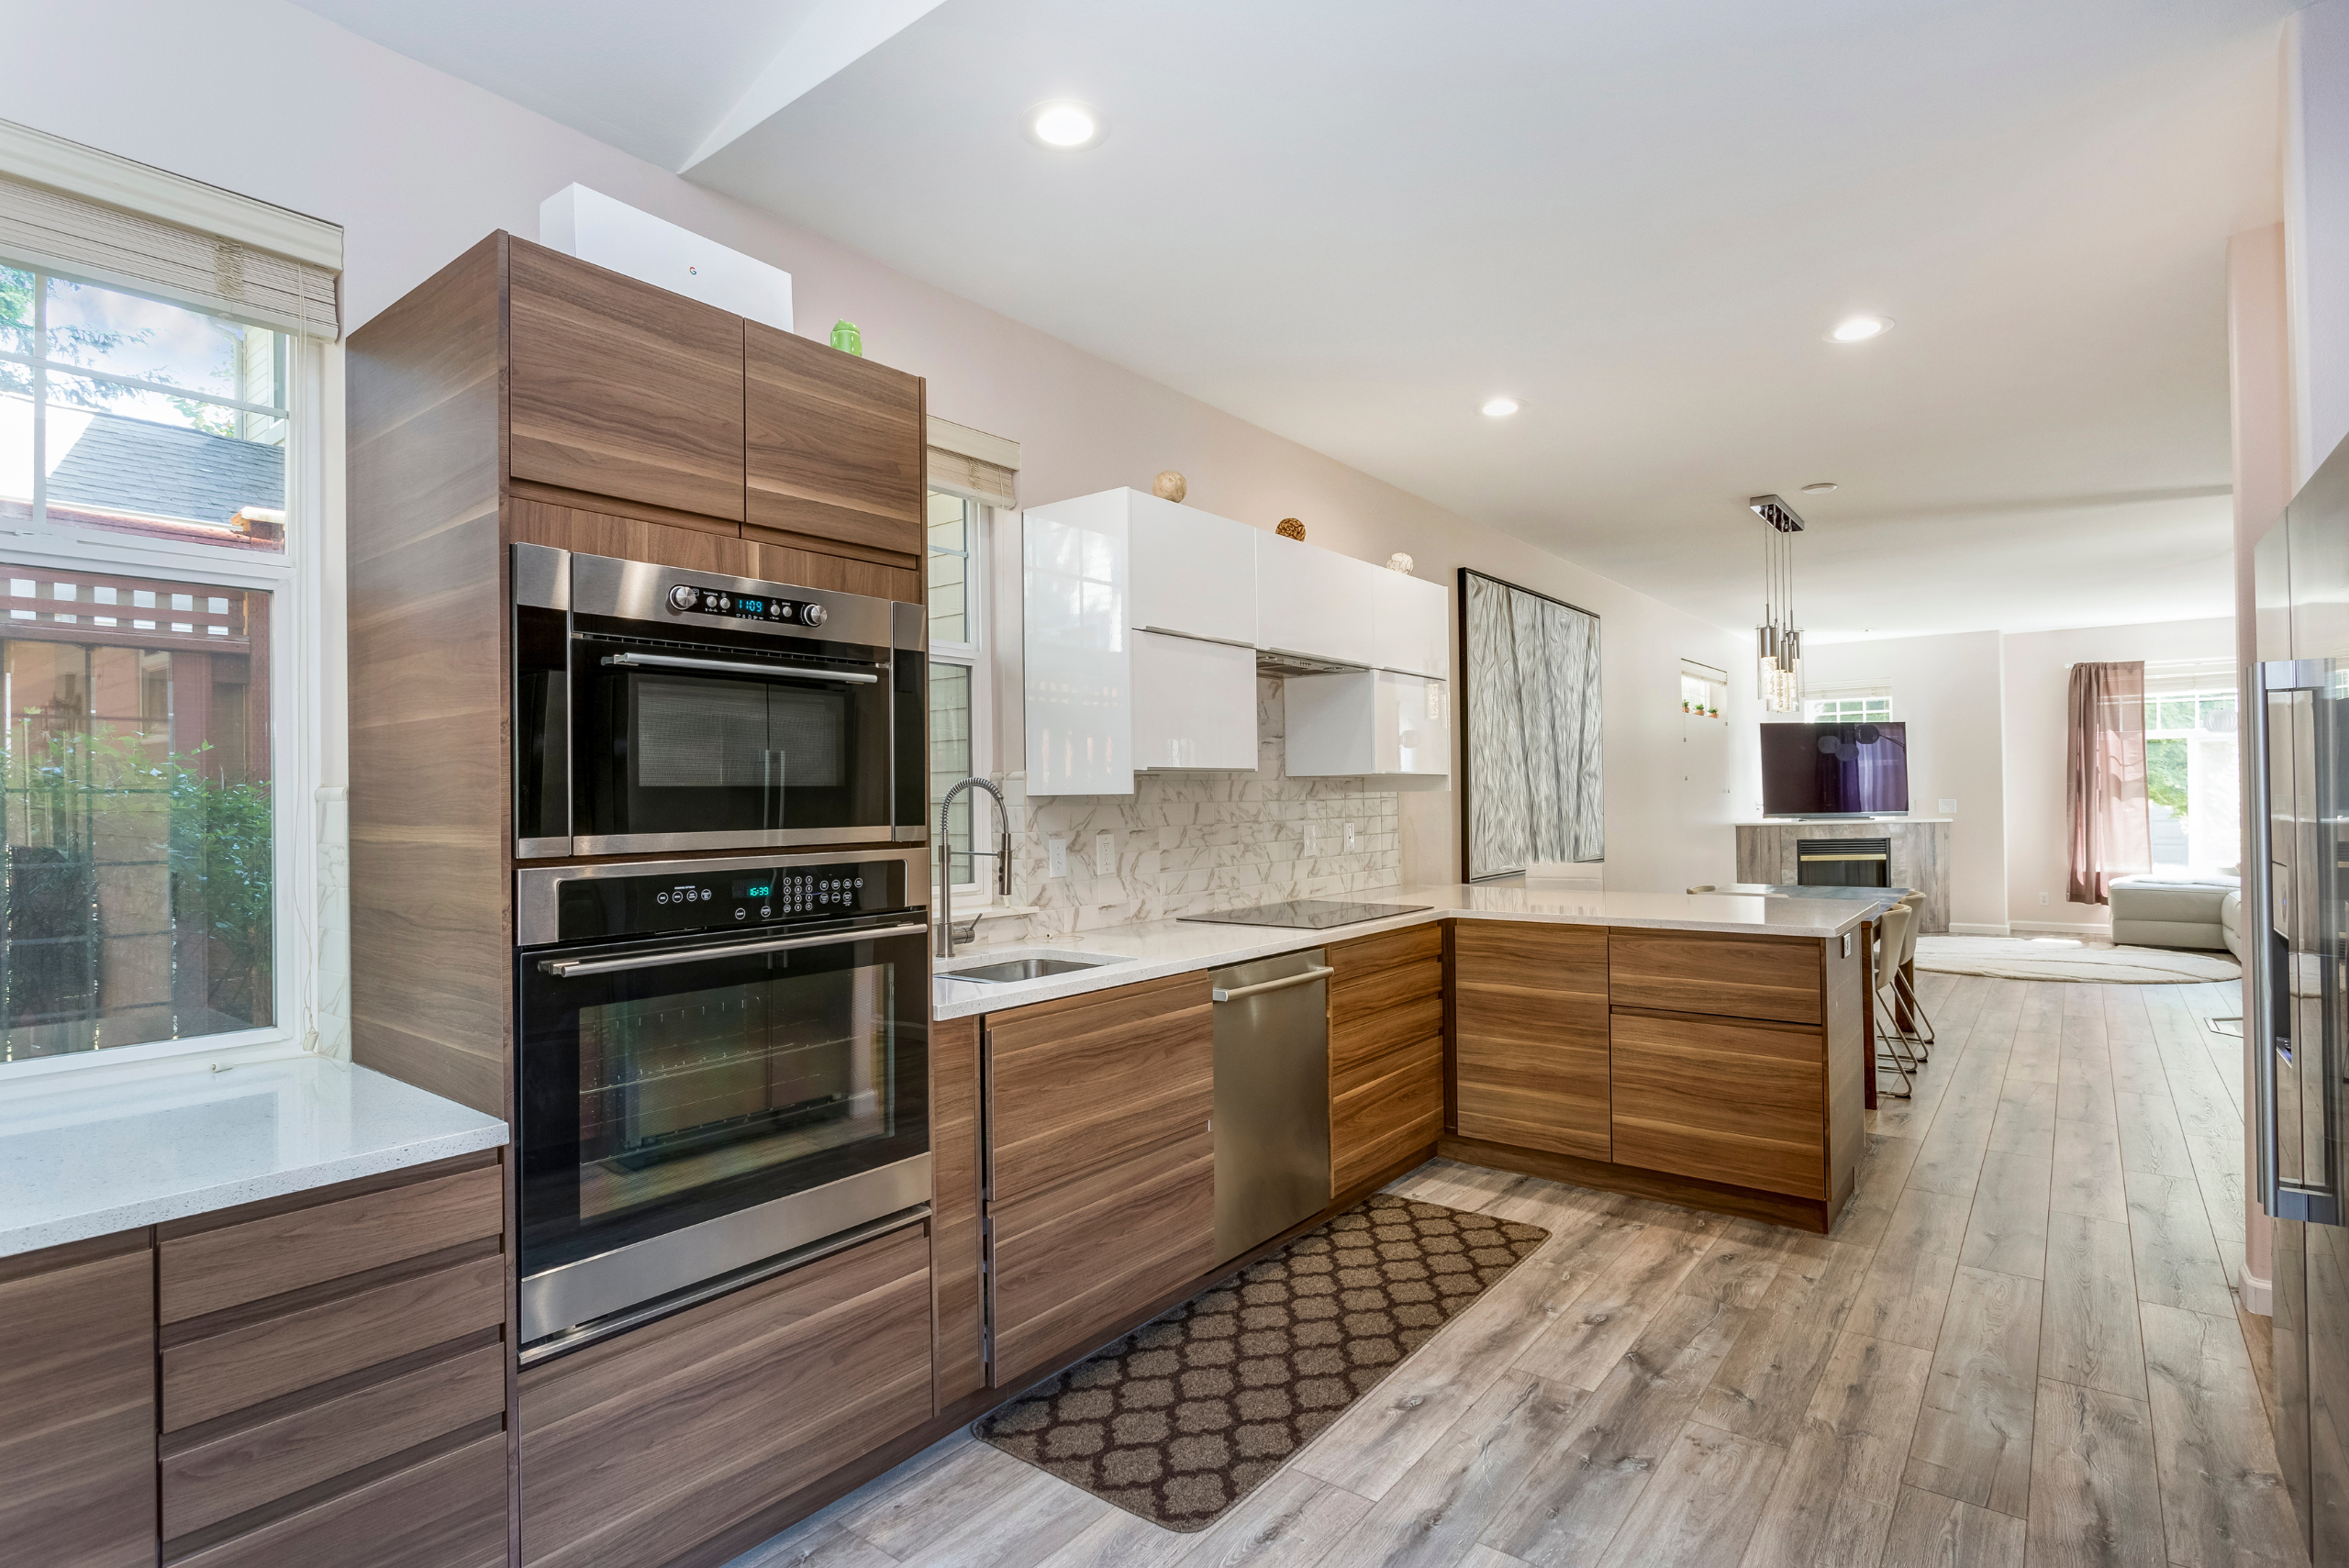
(2191, 786)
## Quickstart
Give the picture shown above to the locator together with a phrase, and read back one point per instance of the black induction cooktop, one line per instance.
(1311, 914)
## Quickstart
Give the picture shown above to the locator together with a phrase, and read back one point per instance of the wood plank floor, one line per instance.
(2022, 1346)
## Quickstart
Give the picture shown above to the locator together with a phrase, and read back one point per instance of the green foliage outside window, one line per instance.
(2165, 775)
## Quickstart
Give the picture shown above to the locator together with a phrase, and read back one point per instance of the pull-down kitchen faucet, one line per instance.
(1000, 854)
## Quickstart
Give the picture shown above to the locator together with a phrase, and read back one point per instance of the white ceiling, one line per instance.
(1351, 221)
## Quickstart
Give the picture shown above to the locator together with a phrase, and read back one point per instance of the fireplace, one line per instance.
(1843, 862)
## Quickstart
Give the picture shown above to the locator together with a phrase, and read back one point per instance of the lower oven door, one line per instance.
(692, 1109)
(696, 747)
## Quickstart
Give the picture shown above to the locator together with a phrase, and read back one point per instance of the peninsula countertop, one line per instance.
(1126, 954)
(91, 1154)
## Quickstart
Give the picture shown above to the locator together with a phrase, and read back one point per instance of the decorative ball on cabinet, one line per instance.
(1400, 562)
(1291, 528)
(1170, 485)
(847, 338)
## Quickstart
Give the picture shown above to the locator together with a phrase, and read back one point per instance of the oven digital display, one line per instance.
(597, 907)
(721, 602)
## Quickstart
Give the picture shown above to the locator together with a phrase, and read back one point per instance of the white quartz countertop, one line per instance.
(1159, 947)
(91, 1154)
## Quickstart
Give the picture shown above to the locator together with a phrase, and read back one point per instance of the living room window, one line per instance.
(1875, 709)
(2192, 789)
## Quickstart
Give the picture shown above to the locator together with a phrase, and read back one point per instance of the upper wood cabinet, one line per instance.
(77, 1385)
(619, 388)
(1530, 1052)
(837, 444)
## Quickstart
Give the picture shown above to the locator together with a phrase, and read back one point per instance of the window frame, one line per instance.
(306, 674)
(1812, 709)
(974, 655)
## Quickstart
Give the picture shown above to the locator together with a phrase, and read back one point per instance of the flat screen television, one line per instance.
(1834, 770)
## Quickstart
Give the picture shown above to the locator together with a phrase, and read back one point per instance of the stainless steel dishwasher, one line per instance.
(1272, 1097)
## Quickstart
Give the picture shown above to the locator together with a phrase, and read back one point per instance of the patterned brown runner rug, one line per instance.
(1199, 1407)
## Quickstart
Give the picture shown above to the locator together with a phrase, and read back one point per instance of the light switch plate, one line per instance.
(1105, 854)
(1351, 841)
(1056, 857)
(1949, 807)
(1847, 944)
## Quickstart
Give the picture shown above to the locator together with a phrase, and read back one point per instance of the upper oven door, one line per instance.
(680, 746)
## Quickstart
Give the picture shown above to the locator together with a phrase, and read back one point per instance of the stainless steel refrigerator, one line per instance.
(2296, 736)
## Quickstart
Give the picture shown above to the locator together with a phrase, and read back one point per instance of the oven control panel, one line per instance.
(687, 599)
(692, 898)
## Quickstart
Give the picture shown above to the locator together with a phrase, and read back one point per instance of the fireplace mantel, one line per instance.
(1766, 853)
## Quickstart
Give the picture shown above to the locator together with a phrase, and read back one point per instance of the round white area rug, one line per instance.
(2061, 958)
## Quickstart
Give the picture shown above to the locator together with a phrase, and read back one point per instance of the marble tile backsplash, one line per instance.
(1186, 843)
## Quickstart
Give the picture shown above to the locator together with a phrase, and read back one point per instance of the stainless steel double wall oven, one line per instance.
(722, 1060)
(658, 710)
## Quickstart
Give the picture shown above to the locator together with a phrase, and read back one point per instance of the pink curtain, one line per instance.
(2105, 760)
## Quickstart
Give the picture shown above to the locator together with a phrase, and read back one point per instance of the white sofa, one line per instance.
(2174, 909)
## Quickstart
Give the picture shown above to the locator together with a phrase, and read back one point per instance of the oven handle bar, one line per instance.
(570, 968)
(670, 661)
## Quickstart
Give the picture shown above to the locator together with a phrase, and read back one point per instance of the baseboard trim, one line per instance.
(2053, 928)
(2258, 1294)
(1957, 930)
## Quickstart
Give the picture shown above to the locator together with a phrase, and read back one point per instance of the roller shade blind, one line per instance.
(45, 224)
(971, 463)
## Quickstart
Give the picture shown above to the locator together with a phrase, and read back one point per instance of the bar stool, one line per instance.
(1892, 1041)
(1920, 1030)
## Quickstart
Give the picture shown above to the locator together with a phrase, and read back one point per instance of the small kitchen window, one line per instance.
(958, 527)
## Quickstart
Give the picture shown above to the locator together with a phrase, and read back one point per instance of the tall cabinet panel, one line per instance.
(836, 444)
(77, 1382)
(617, 388)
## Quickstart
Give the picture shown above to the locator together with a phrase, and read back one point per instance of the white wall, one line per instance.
(1947, 690)
(2038, 671)
(416, 166)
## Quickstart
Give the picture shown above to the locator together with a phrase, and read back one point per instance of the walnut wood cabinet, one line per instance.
(958, 1246)
(1385, 1054)
(615, 387)
(836, 445)
(77, 1385)
(642, 1448)
(1530, 1035)
(1101, 1166)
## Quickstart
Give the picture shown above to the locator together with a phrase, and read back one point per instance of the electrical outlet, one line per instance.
(1105, 854)
(1056, 857)
(2042, 901)
(1350, 839)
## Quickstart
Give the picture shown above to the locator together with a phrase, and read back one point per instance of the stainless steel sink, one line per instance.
(1023, 969)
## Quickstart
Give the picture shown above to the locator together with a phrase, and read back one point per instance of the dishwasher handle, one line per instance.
(1308, 978)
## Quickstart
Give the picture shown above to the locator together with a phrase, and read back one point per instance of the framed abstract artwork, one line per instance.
(1529, 702)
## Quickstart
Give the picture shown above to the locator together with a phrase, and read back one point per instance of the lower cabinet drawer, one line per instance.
(1730, 1101)
(636, 1449)
(214, 1478)
(447, 1512)
(213, 1366)
(1378, 1123)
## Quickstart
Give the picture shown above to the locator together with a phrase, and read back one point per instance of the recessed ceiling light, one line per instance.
(1819, 489)
(1500, 408)
(1860, 328)
(1065, 127)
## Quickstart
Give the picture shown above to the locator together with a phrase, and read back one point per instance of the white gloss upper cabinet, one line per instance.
(1367, 722)
(1315, 602)
(1195, 703)
(1076, 578)
(1194, 573)
(1413, 626)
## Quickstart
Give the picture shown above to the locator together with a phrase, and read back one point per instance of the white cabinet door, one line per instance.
(1365, 723)
(1414, 724)
(1414, 626)
(1079, 676)
(1194, 573)
(1315, 602)
(1195, 704)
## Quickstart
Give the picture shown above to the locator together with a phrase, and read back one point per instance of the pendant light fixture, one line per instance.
(1777, 651)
